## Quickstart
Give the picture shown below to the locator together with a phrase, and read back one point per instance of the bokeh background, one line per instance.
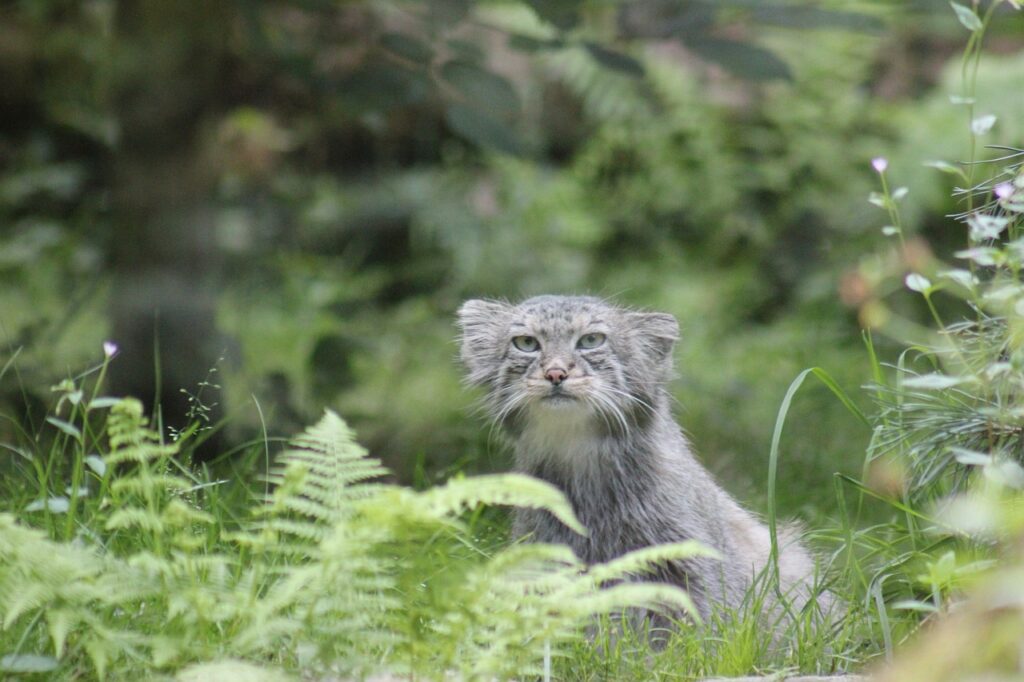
(275, 207)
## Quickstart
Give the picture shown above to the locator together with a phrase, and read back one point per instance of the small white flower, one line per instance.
(983, 124)
(1004, 190)
(109, 348)
(879, 163)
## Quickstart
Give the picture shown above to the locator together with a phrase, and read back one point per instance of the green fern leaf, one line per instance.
(460, 495)
(651, 596)
(130, 439)
(647, 559)
(322, 473)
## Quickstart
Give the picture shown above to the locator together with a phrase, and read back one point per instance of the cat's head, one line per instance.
(573, 354)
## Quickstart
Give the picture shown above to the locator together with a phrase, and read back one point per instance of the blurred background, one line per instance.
(275, 207)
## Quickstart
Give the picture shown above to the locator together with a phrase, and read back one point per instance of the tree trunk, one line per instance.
(170, 63)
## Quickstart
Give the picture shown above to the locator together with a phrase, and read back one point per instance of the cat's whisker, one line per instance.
(630, 397)
(612, 409)
(507, 407)
(481, 408)
(496, 406)
(592, 401)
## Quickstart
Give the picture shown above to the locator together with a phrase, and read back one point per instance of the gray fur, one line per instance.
(611, 444)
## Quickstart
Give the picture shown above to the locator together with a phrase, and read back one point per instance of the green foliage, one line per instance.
(944, 455)
(350, 216)
(331, 571)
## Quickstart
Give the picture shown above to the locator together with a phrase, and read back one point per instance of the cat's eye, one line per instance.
(527, 344)
(589, 341)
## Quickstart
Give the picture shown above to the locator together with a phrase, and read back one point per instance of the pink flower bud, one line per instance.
(109, 348)
(1004, 190)
(879, 163)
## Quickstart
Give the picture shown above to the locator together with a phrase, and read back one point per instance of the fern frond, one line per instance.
(651, 596)
(130, 439)
(231, 670)
(535, 554)
(323, 472)
(302, 529)
(135, 517)
(67, 586)
(647, 559)
(459, 495)
(140, 485)
(178, 514)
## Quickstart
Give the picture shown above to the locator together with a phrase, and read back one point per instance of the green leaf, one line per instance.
(28, 663)
(648, 559)
(967, 17)
(653, 596)
(945, 167)
(895, 504)
(615, 61)
(482, 130)
(933, 381)
(914, 605)
(230, 670)
(773, 452)
(66, 427)
(482, 89)
(919, 283)
(59, 623)
(962, 277)
(970, 457)
(515, 490)
(982, 255)
(407, 47)
(986, 227)
(742, 59)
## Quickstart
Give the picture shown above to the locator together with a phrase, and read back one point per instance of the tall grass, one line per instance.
(945, 454)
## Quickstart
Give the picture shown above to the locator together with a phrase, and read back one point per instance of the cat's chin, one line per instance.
(559, 401)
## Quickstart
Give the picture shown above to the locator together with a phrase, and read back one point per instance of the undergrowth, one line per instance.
(138, 568)
(120, 560)
(945, 454)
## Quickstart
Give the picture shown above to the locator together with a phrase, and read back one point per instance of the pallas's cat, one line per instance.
(579, 385)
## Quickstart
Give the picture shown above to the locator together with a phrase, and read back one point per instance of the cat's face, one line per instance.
(566, 356)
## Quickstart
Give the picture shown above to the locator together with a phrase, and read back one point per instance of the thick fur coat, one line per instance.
(579, 385)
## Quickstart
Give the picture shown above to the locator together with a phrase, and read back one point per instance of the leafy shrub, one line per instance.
(945, 452)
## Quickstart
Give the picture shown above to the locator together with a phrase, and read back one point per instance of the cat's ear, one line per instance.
(656, 334)
(481, 341)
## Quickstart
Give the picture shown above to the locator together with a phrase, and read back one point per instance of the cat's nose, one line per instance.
(555, 375)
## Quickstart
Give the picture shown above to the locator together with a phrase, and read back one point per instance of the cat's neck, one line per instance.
(576, 444)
